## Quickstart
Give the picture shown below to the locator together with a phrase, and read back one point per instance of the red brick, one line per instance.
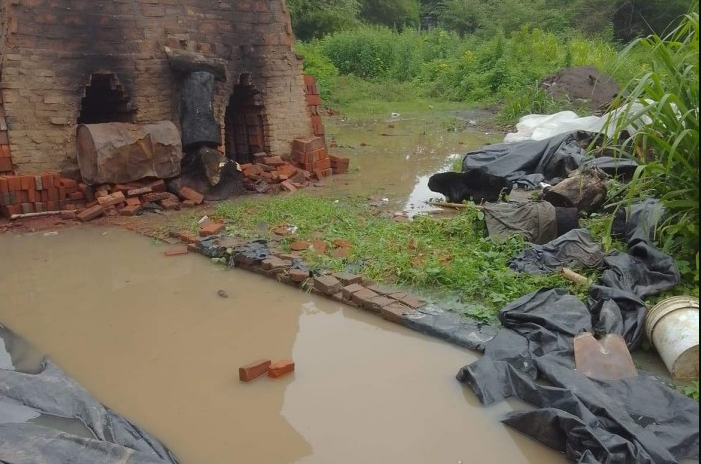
(323, 164)
(139, 191)
(273, 161)
(308, 144)
(349, 290)
(74, 196)
(287, 185)
(395, 312)
(413, 301)
(47, 180)
(68, 183)
(39, 206)
(212, 228)
(189, 204)
(186, 236)
(27, 208)
(33, 196)
(298, 275)
(177, 250)
(319, 246)
(327, 284)
(299, 246)
(341, 253)
(347, 278)
(158, 186)
(5, 164)
(44, 195)
(376, 304)
(254, 370)
(69, 215)
(169, 204)
(27, 182)
(91, 213)
(53, 206)
(130, 210)
(363, 297)
(281, 368)
(5, 151)
(133, 201)
(111, 200)
(186, 193)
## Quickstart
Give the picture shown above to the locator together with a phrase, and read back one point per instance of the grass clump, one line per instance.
(447, 258)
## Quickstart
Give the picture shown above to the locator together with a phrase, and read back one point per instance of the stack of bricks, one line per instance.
(37, 193)
(6, 166)
(50, 192)
(311, 91)
(312, 156)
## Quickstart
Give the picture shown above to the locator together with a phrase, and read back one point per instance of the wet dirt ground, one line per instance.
(150, 337)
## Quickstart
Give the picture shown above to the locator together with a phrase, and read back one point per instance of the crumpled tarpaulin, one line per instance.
(631, 421)
(529, 163)
(26, 398)
(575, 249)
(638, 221)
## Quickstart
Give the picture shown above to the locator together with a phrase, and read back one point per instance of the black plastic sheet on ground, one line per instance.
(533, 161)
(632, 421)
(34, 406)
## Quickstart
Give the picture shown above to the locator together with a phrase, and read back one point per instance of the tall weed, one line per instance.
(664, 104)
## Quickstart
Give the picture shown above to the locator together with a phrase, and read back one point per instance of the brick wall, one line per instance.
(50, 48)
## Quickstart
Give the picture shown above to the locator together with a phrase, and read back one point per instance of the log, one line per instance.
(119, 153)
(188, 62)
(584, 190)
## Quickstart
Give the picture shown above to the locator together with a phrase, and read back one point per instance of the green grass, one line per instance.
(446, 259)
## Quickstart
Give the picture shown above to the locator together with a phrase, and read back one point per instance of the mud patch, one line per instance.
(583, 86)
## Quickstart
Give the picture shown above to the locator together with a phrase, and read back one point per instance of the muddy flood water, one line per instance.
(150, 337)
(392, 159)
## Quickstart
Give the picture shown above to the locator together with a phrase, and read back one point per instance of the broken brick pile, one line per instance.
(310, 160)
(50, 192)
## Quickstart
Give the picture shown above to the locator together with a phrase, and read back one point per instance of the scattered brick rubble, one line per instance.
(49, 192)
(310, 161)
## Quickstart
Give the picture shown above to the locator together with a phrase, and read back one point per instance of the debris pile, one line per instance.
(51, 193)
(310, 161)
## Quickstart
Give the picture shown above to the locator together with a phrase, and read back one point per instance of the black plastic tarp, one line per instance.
(638, 420)
(103, 436)
(575, 249)
(528, 163)
(533, 161)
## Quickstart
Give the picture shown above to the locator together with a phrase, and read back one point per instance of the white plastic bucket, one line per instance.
(672, 326)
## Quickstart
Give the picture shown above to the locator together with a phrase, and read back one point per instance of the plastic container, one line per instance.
(672, 326)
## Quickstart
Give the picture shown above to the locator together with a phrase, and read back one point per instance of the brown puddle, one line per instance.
(396, 162)
(150, 337)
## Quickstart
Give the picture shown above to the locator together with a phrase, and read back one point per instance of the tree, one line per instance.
(392, 13)
(316, 18)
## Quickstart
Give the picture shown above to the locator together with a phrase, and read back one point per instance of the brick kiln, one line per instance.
(70, 62)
